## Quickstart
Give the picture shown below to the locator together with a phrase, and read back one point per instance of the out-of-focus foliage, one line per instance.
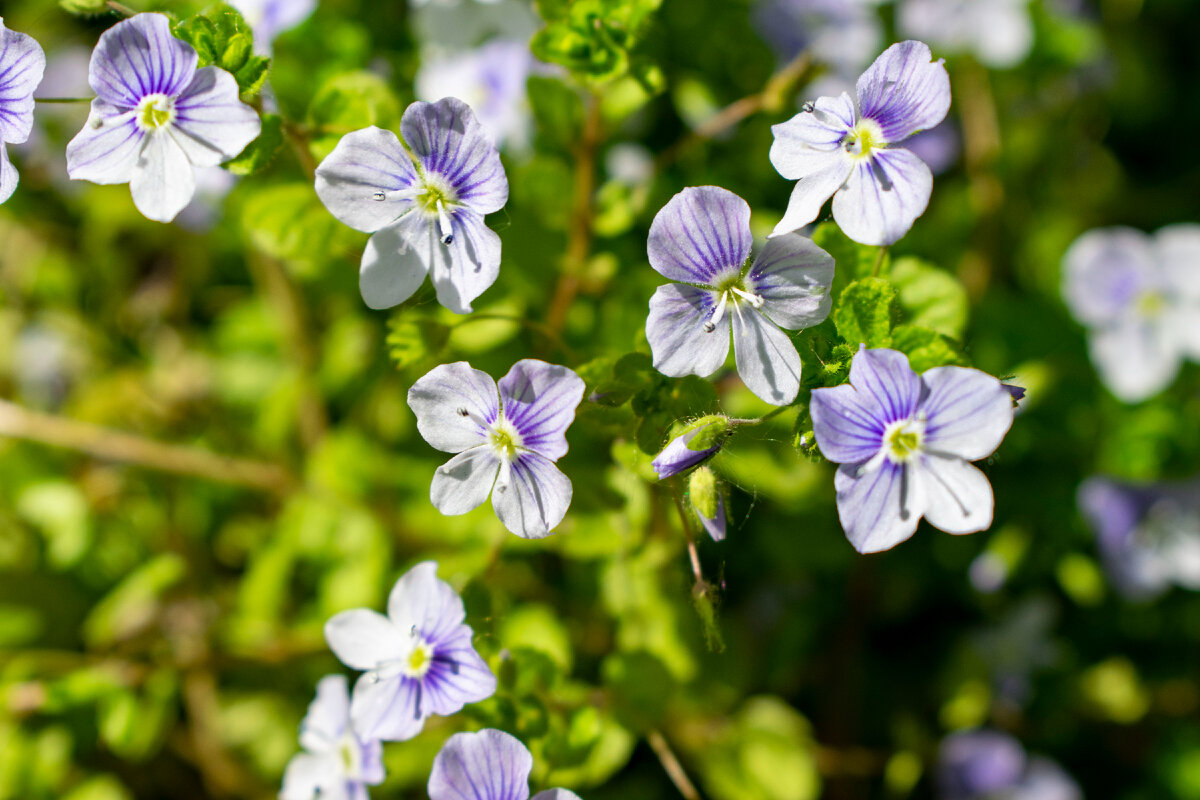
(161, 613)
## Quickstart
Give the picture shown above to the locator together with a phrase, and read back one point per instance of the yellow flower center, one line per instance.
(505, 439)
(419, 659)
(866, 137)
(903, 440)
(1151, 303)
(155, 111)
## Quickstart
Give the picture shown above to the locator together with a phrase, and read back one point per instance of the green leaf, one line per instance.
(925, 348)
(415, 340)
(767, 753)
(134, 602)
(558, 110)
(262, 151)
(84, 6)
(348, 102)
(853, 260)
(930, 297)
(288, 222)
(223, 39)
(865, 313)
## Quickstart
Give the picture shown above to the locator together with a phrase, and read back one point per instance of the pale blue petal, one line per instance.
(22, 63)
(464, 482)
(905, 91)
(307, 774)
(811, 141)
(138, 57)
(848, 424)
(396, 261)
(328, 715)
(212, 124)
(449, 142)
(531, 496)
(163, 179)
(8, 175)
(792, 276)
(1105, 271)
(978, 763)
(766, 359)
(106, 150)
(439, 399)
(367, 181)
(878, 509)
(967, 412)
(887, 382)
(700, 236)
(457, 676)
(1136, 357)
(540, 400)
(675, 331)
(364, 639)
(465, 268)
(958, 497)
(488, 765)
(811, 192)
(389, 709)
(883, 196)
(420, 598)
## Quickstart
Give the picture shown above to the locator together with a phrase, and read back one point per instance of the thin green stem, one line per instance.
(741, 423)
(121, 8)
(879, 261)
(63, 100)
(685, 521)
(670, 763)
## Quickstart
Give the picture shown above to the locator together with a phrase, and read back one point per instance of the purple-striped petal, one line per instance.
(531, 495)
(792, 276)
(883, 196)
(389, 709)
(163, 179)
(887, 381)
(811, 192)
(540, 400)
(465, 481)
(22, 63)
(422, 599)
(138, 57)
(364, 639)
(106, 150)
(879, 508)
(1105, 271)
(450, 143)
(328, 714)
(958, 497)
(675, 331)
(702, 235)
(211, 124)
(488, 765)
(677, 456)
(457, 676)
(8, 174)
(439, 399)
(905, 91)
(464, 269)
(367, 181)
(715, 526)
(396, 261)
(766, 359)
(811, 141)
(848, 424)
(967, 412)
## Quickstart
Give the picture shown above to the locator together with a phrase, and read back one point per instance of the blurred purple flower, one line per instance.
(336, 762)
(997, 32)
(491, 80)
(506, 439)
(987, 765)
(156, 117)
(1139, 297)
(424, 219)
(905, 442)
(849, 149)
(416, 661)
(842, 35)
(1148, 536)
(487, 765)
(701, 238)
(939, 147)
(269, 18)
(22, 63)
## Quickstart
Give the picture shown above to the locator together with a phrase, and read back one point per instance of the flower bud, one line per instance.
(707, 501)
(696, 442)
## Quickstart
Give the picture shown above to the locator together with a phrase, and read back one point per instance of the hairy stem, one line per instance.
(121, 8)
(693, 552)
(33, 426)
(666, 756)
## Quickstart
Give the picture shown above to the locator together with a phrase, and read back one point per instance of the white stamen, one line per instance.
(444, 224)
(711, 324)
(754, 300)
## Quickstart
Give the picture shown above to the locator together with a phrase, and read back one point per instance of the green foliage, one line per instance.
(416, 340)
(348, 102)
(259, 154)
(866, 311)
(223, 39)
(931, 298)
(595, 38)
(84, 6)
(764, 752)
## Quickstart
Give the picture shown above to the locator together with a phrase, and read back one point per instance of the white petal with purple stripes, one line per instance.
(22, 63)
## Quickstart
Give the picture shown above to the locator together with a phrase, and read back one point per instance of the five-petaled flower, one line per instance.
(507, 439)
(156, 117)
(425, 217)
(417, 661)
(337, 764)
(904, 442)
(21, 65)
(702, 239)
(1139, 296)
(486, 765)
(849, 149)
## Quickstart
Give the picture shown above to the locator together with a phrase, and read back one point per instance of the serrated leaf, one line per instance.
(930, 297)
(926, 348)
(865, 313)
(853, 260)
(262, 151)
(412, 340)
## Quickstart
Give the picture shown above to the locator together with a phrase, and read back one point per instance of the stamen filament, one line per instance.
(718, 313)
(754, 300)
(444, 224)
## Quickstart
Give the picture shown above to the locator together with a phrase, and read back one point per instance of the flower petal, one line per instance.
(886, 380)
(883, 196)
(1105, 271)
(792, 276)
(967, 412)
(457, 676)
(388, 709)
(556, 794)
(958, 497)
(395, 261)
(812, 191)
(422, 599)
(905, 91)
(307, 775)
(106, 150)
(766, 359)
(163, 179)
(847, 423)
(531, 495)
(449, 142)
(1137, 358)
(878, 509)
(1177, 252)
(440, 397)
(811, 141)
(22, 63)
(540, 400)
(465, 481)
(677, 456)
(675, 331)
(211, 124)
(139, 57)
(364, 639)
(367, 181)
(701, 235)
(328, 715)
(488, 765)
(715, 526)
(8, 174)
(465, 268)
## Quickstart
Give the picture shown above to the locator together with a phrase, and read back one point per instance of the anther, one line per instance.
(379, 196)
(462, 412)
(711, 324)
(754, 300)
(444, 225)
(808, 107)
